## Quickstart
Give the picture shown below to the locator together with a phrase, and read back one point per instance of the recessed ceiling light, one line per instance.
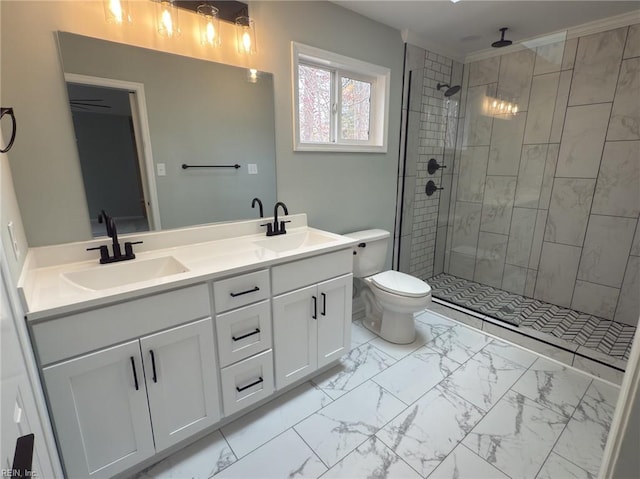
(455, 1)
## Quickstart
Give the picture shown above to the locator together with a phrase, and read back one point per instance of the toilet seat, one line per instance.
(401, 284)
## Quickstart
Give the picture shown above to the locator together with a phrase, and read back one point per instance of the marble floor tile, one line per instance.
(200, 460)
(459, 343)
(554, 386)
(557, 467)
(266, 422)
(411, 377)
(360, 334)
(484, 378)
(585, 436)
(284, 456)
(513, 353)
(336, 430)
(372, 460)
(428, 430)
(516, 436)
(438, 323)
(464, 464)
(360, 364)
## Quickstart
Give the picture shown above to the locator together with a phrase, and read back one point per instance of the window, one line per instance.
(340, 104)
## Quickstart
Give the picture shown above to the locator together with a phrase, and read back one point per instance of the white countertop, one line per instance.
(46, 293)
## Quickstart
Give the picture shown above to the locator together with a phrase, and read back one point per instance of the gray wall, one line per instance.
(547, 203)
(339, 192)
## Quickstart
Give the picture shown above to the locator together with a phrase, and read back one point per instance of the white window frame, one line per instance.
(340, 65)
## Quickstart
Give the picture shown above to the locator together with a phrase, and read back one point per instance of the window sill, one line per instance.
(336, 148)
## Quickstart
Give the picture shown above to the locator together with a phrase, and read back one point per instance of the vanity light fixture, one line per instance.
(167, 18)
(117, 11)
(252, 75)
(209, 25)
(246, 35)
(500, 108)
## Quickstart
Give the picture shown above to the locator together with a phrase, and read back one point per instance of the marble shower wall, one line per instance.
(546, 204)
(429, 124)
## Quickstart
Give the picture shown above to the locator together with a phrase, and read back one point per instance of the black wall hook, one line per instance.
(9, 111)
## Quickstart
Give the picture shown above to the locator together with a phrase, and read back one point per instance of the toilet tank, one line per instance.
(370, 252)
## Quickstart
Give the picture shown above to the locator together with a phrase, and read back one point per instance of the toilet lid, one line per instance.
(401, 284)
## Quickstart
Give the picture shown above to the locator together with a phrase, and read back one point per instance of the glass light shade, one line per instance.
(117, 11)
(167, 18)
(246, 35)
(209, 25)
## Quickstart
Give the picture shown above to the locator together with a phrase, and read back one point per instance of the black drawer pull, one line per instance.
(153, 366)
(249, 385)
(256, 331)
(135, 375)
(253, 290)
(324, 304)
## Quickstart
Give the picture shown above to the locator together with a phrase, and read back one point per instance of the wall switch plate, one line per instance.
(161, 169)
(252, 168)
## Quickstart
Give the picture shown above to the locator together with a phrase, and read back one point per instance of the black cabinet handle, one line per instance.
(324, 304)
(256, 331)
(315, 307)
(135, 375)
(249, 385)
(153, 365)
(252, 290)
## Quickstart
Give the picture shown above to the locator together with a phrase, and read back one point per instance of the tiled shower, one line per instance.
(538, 215)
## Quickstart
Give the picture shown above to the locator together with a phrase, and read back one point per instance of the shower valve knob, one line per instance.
(431, 188)
(434, 166)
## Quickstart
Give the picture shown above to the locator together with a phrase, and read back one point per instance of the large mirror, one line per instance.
(139, 115)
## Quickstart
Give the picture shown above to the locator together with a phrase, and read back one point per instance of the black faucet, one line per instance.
(112, 232)
(253, 205)
(277, 228)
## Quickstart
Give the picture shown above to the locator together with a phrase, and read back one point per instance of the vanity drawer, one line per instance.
(305, 272)
(79, 333)
(244, 332)
(247, 382)
(241, 290)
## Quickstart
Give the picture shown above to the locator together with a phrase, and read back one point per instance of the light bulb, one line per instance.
(167, 23)
(211, 33)
(115, 9)
(246, 42)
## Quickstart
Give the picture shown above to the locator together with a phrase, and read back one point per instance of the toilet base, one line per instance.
(396, 328)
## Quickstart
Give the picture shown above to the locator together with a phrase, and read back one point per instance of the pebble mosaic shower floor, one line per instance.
(608, 337)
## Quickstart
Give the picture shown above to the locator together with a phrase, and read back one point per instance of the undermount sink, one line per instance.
(121, 274)
(291, 241)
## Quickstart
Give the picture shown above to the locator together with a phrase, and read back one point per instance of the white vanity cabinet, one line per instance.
(311, 325)
(118, 405)
(99, 405)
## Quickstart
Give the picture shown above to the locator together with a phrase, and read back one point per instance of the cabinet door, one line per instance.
(99, 406)
(181, 376)
(334, 318)
(294, 335)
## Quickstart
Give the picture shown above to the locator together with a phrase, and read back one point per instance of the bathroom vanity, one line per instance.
(139, 356)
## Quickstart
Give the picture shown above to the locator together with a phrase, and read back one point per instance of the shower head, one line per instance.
(502, 42)
(449, 90)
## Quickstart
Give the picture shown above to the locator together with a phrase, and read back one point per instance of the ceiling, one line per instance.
(469, 26)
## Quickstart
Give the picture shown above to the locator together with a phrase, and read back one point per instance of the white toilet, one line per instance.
(390, 297)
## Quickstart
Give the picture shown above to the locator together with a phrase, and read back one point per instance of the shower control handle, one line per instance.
(433, 166)
(431, 188)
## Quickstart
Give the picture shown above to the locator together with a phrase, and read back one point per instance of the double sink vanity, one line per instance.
(139, 356)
